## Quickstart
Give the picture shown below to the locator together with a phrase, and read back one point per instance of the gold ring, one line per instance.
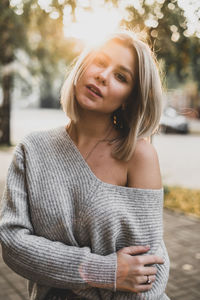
(148, 280)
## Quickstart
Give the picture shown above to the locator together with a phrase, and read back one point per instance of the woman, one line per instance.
(82, 208)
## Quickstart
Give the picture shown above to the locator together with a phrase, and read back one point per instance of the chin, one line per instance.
(87, 103)
(87, 106)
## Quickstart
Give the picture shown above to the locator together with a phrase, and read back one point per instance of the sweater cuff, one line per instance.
(100, 271)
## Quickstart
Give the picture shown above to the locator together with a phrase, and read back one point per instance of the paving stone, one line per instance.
(15, 297)
(182, 240)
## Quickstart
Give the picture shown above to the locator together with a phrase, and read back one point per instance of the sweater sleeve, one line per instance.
(39, 259)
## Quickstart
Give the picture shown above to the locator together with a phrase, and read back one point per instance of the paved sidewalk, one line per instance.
(183, 243)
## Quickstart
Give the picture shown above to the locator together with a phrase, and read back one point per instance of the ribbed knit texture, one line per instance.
(61, 226)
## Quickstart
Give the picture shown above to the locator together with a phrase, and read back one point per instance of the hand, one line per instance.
(132, 270)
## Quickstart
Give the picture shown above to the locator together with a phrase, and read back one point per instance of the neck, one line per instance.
(91, 127)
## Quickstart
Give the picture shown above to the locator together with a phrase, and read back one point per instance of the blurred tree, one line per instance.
(33, 29)
(48, 48)
(195, 59)
(165, 25)
(12, 35)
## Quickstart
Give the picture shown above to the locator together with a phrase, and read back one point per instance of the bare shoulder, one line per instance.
(143, 167)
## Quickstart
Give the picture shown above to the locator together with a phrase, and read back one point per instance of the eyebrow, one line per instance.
(123, 68)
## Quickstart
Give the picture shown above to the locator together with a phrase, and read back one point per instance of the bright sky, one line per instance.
(100, 18)
(91, 27)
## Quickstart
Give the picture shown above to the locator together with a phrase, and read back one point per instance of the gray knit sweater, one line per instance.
(61, 226)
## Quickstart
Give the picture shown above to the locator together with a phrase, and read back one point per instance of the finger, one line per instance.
(152, 259)
(133, 250)
(143, 287)
(148, 271)
(143, 279)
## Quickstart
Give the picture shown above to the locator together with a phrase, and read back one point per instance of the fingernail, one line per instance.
(147, 246)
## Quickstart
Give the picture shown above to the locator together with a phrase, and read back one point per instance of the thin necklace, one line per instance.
(105, 139)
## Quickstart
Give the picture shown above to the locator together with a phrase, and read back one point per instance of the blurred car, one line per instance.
(172, 122)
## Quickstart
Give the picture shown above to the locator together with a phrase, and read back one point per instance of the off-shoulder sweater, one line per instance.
(61, 226)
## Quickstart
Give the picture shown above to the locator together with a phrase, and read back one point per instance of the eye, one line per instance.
(121, 77)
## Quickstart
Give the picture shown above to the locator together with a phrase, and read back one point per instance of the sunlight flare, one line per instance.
(92, 26)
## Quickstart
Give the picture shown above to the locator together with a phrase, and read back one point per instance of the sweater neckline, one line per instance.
(91, 173)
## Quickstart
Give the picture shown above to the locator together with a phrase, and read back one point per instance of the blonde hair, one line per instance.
(142, 114)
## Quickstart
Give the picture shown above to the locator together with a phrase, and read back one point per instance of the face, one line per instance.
(108, 80)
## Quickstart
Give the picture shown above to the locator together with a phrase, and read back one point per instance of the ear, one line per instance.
(123, 106)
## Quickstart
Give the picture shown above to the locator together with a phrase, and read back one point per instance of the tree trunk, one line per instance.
(5, 110)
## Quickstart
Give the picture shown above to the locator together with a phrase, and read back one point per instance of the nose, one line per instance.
(102, 76)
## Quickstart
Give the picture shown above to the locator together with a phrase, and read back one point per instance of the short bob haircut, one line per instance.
(141, 115)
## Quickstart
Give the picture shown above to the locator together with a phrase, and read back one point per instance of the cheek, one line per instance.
(90, 71)
(81, 82)
(84, 79)
(121, 92)
(79, 88)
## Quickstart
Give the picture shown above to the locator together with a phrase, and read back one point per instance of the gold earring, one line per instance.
(114, 120)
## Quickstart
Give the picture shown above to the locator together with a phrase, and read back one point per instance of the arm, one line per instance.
(134, 268)
(144, 169)
(37, 258)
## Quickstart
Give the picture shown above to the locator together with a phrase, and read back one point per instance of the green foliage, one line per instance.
(11, 32)
(39, 37)
(167, 38)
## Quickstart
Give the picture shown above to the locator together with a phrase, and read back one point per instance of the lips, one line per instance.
(94, 89)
